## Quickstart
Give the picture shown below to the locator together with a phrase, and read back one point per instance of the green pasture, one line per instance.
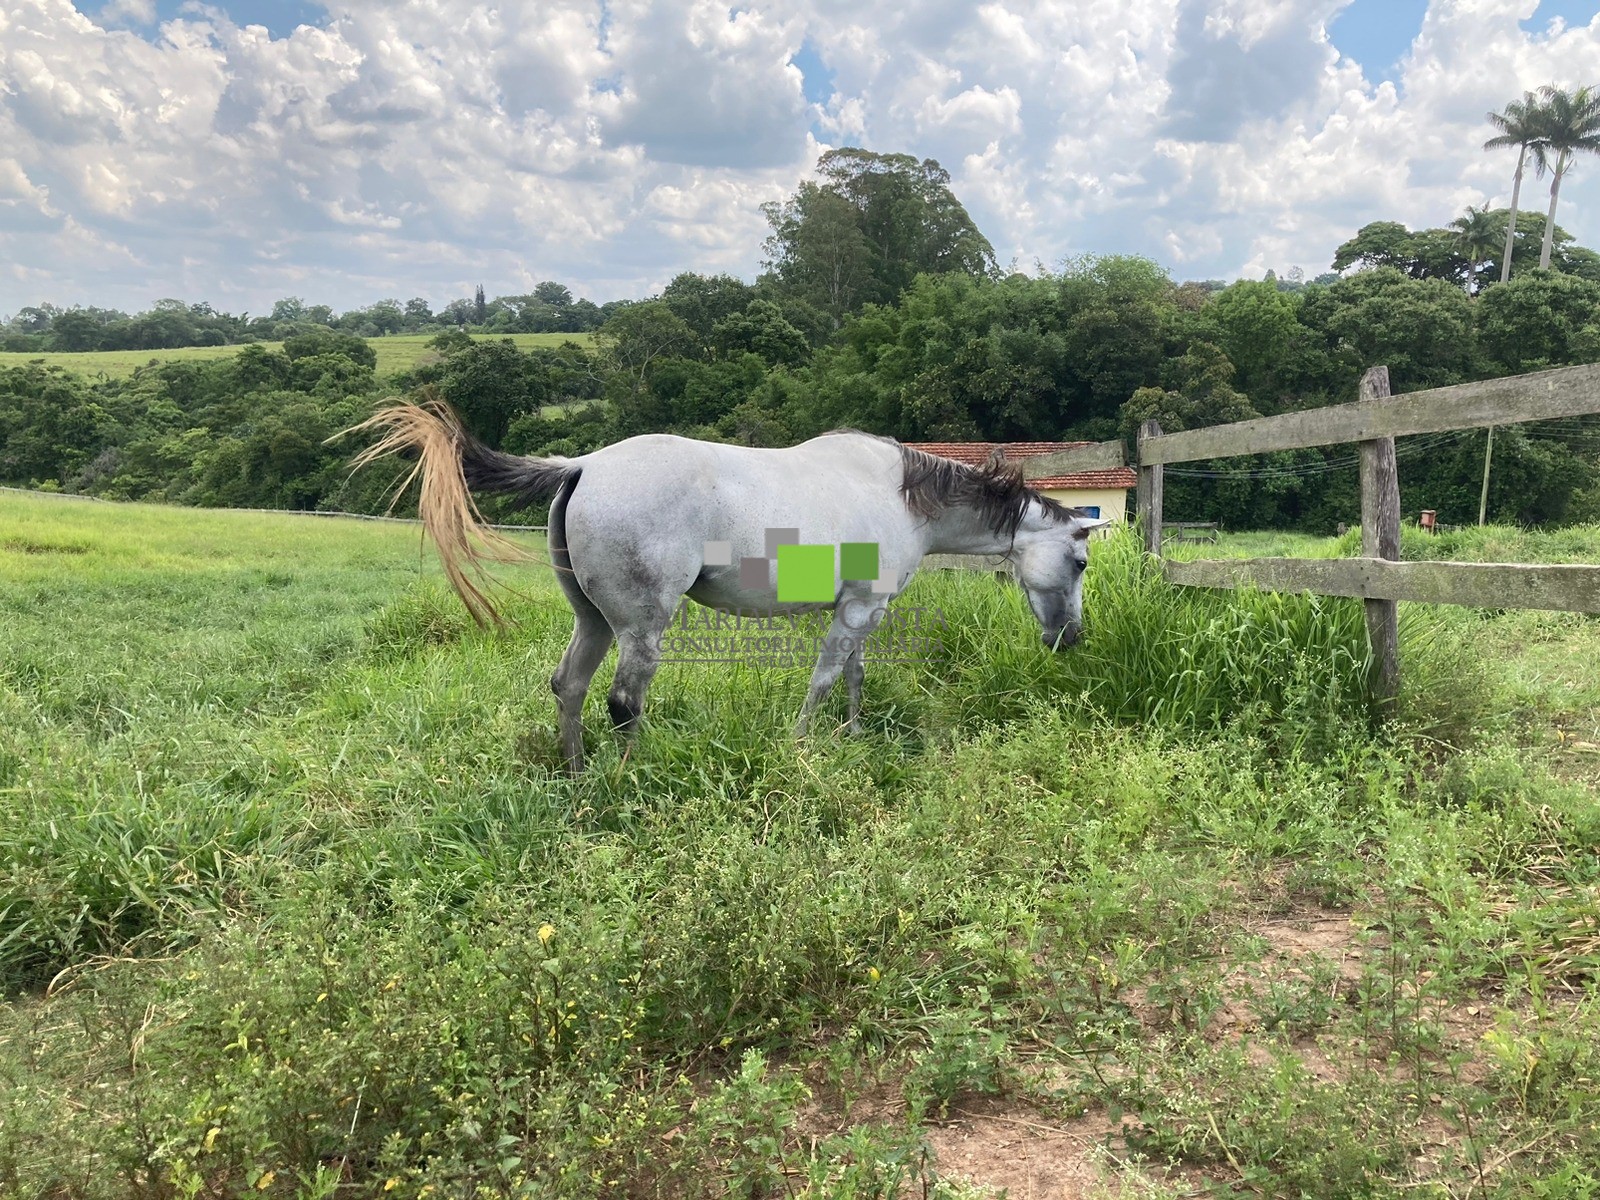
(395, 354)
(293, 901)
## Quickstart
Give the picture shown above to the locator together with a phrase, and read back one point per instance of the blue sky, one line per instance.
(1378, 33)
(279, 16)
(407, 148)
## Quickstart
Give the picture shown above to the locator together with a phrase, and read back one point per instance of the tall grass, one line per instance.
(1187, 659)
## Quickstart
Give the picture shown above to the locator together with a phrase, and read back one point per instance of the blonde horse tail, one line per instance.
(452, 465)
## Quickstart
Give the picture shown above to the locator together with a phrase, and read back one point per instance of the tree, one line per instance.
(872, 225)
(1426, 254)
(909, 214)
(704, 300)
(1569, 123)
(480, 306)
(1476, 237)
(75, 330)
(1519, 127)
(761, 330)
(386, 316)
(818, 251)
(1421, 328)
(1257, 324)
(1376, 244)
(320, 342)
(1540, 320)
(552, 293)
(1203, 394)
(491, 383)
(637, 337)
(418, 311)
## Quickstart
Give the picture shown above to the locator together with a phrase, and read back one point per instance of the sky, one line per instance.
(347, 151)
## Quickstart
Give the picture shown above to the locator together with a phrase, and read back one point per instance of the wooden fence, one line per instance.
(1377, 577)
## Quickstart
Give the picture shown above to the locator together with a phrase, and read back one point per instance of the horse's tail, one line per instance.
(453, 465)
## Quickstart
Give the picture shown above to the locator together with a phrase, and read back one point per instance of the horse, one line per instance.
(639, 524)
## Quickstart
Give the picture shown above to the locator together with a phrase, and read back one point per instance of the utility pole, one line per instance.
(1483, 500)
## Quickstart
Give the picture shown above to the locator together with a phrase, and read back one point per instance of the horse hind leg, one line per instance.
(591, 638)
(638, 659)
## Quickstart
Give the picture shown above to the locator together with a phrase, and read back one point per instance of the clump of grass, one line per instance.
(1183, 658)
(426, 617)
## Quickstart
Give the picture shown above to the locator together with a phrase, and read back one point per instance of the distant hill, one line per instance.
(395, 354)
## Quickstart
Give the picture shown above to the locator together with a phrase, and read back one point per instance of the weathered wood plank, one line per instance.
(1563, 392)
(1380, 538)
(1152, 480)
(1102, 456)
(1561, 588)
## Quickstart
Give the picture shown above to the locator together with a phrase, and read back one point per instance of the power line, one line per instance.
(1408, 449)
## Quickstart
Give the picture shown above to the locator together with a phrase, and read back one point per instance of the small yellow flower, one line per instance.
(389, 1185)
(872, 974)
(211, 1136)
(546, 932)
(265, 1181)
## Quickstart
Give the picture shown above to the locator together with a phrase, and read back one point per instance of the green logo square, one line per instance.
(858, 560)
(805, 574)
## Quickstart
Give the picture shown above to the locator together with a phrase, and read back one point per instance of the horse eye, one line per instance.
(1081, 563)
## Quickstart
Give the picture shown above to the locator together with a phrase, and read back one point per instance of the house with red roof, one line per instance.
(1101, 493)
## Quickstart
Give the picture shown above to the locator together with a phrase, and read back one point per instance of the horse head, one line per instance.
(1052, 553)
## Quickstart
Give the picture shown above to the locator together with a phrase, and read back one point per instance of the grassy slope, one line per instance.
(360, 931)
(395, 354)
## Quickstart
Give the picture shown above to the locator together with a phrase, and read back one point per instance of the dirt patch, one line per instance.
(1002, 1145)
(831, 1111)
(1333, 936)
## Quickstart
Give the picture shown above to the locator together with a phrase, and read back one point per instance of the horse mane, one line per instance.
(996, 491)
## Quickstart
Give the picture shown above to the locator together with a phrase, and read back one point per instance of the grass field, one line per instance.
(292, 902)
(395, 354)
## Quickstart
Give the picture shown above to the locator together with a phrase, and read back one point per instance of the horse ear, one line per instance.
(1084, 526)
(996, 461)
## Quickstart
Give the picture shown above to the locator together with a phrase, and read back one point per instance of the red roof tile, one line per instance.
(975, 453)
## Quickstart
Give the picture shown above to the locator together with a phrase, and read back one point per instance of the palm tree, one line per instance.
(1570, 125)
(1476, 237)
(1519, 126)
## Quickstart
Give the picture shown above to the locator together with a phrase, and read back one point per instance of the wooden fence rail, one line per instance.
(1563, 392)
(1566, 588)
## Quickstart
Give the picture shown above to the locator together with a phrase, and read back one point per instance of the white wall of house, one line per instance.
(1112, 502)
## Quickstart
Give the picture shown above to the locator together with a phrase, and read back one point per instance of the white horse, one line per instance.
(640, 524)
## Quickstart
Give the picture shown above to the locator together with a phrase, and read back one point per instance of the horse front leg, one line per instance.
(853, 623)
(855, 671)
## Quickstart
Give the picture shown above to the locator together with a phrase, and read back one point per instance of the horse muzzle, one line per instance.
(1063, 638)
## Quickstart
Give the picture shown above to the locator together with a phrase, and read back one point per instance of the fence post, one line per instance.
(1380, 538)
(1149, 494)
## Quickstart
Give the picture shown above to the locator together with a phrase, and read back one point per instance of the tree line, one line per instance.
(173, 324)
(881, 306)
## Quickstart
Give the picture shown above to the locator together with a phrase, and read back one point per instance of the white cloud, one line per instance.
(413, 147)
